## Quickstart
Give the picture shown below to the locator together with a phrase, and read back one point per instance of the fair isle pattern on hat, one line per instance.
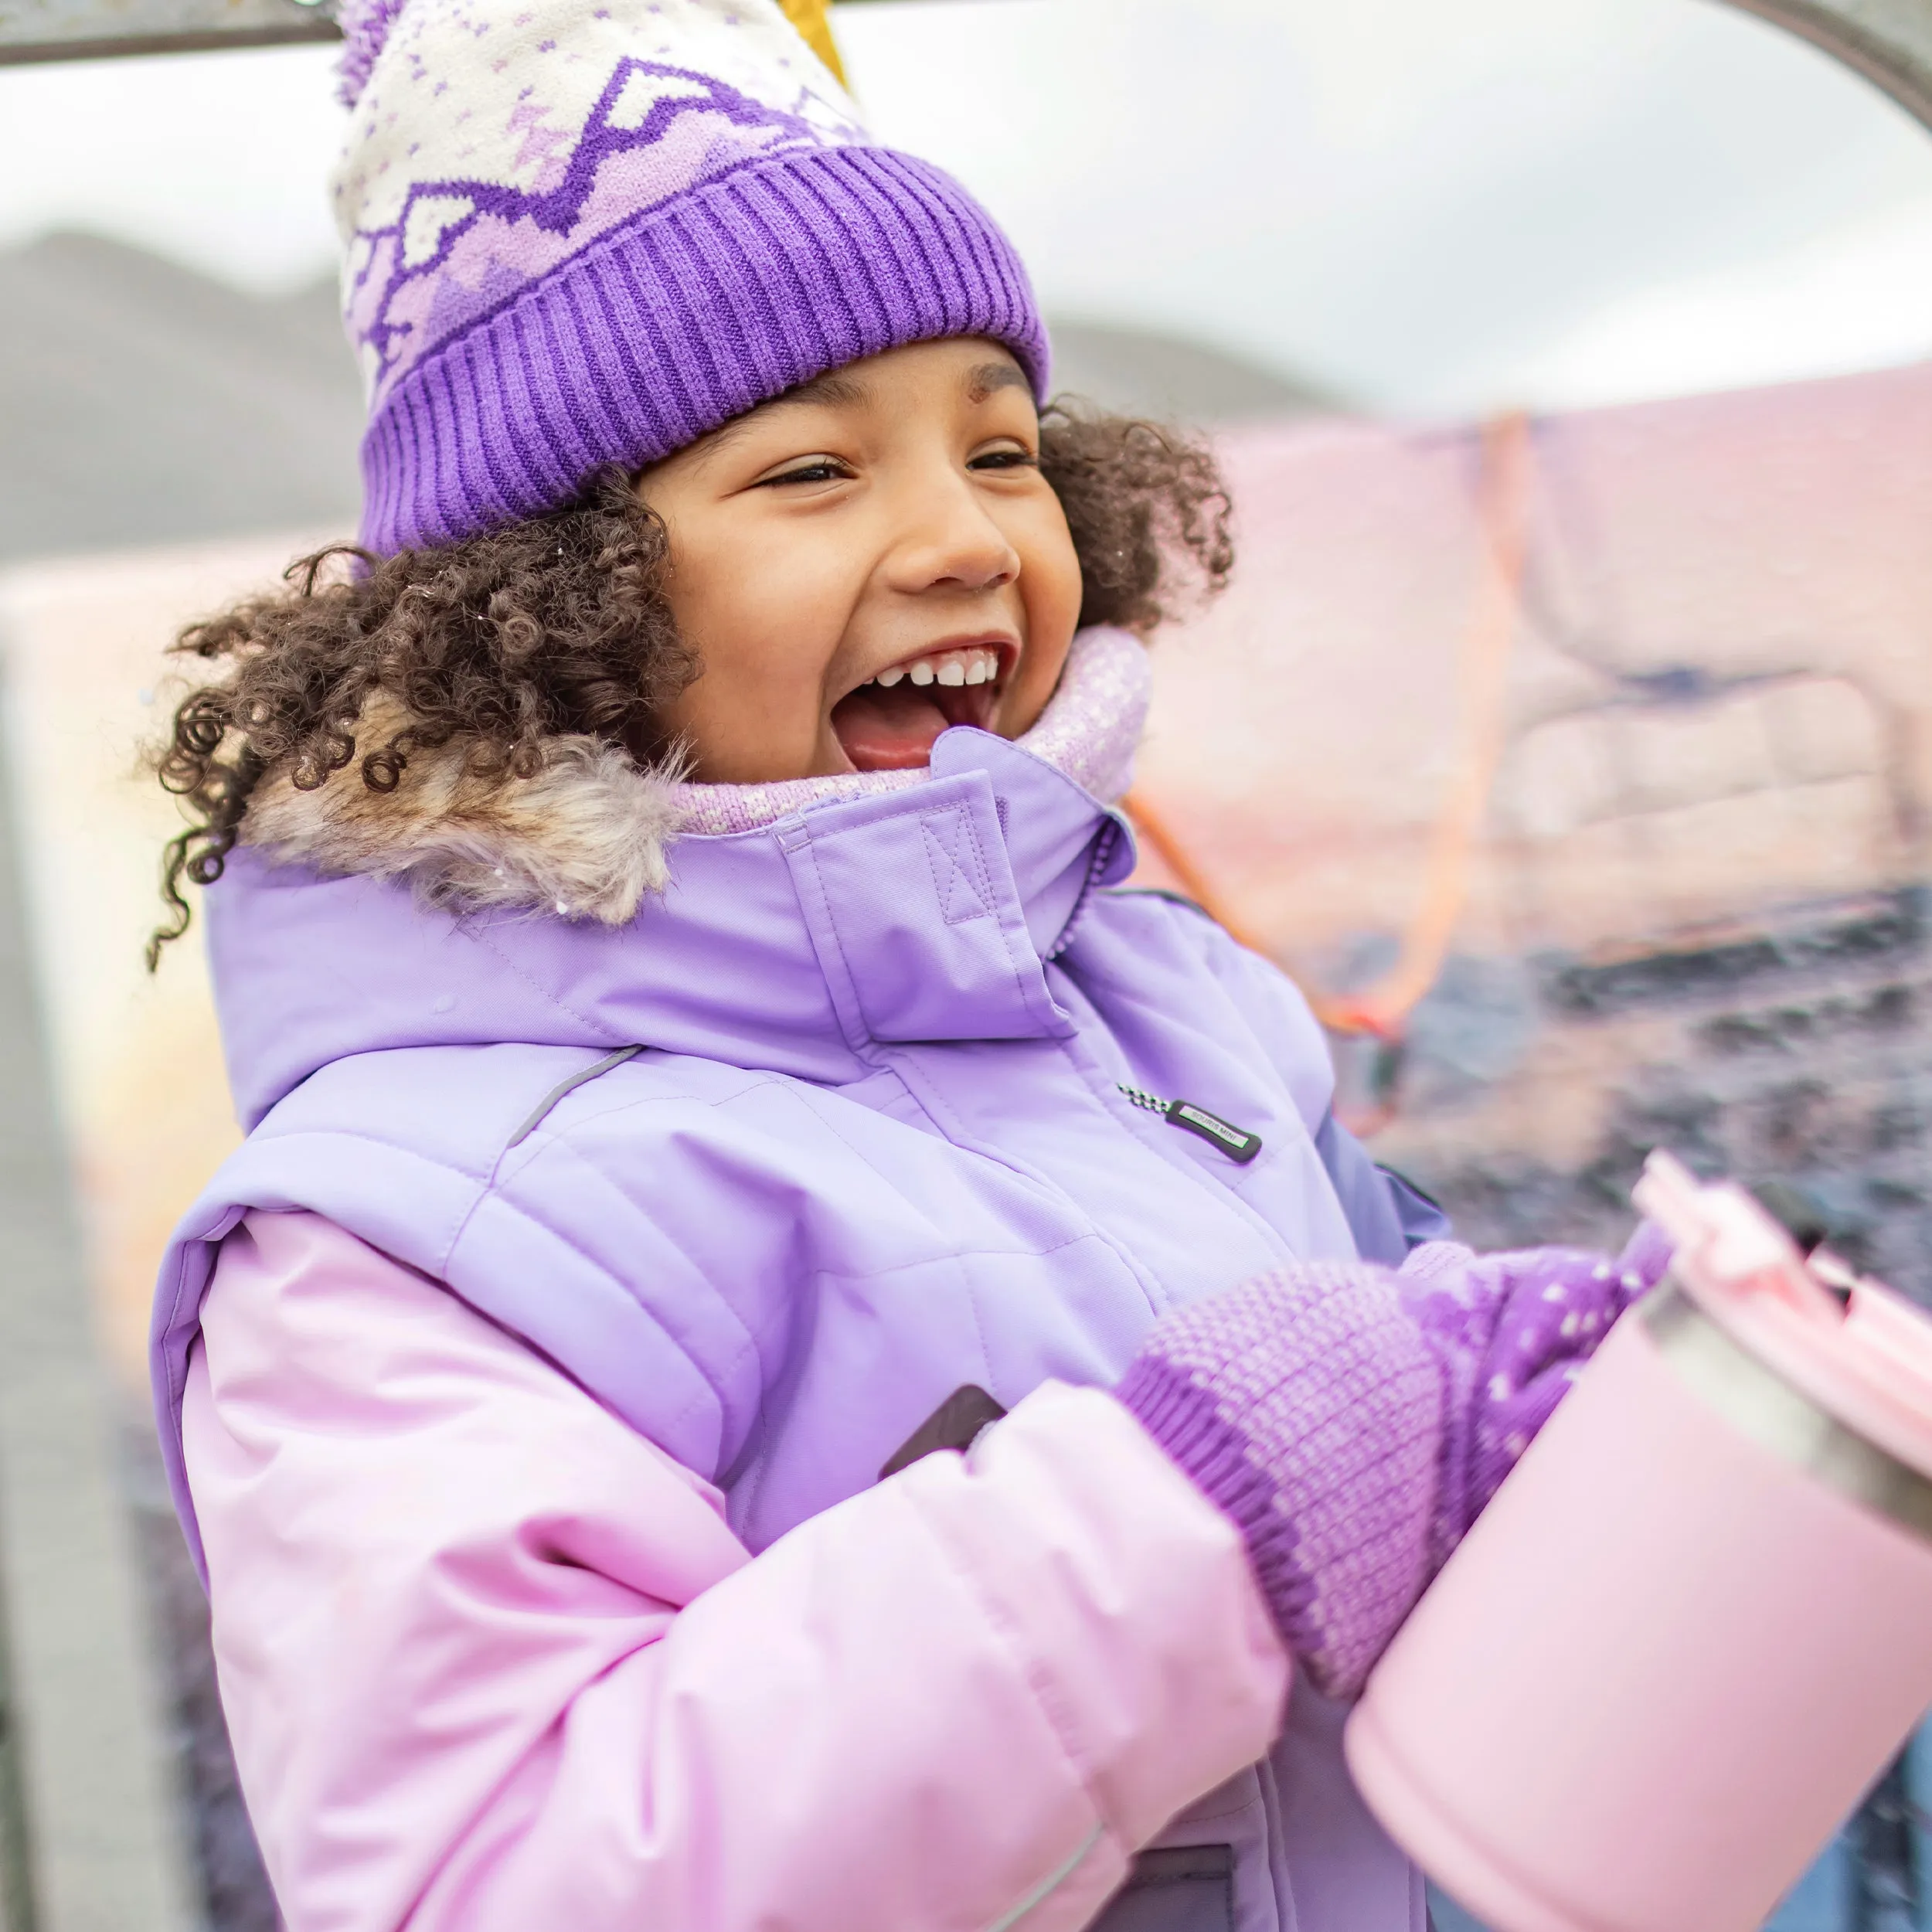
(579, 231)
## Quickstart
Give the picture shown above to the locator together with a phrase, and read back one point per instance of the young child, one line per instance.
(665, 913)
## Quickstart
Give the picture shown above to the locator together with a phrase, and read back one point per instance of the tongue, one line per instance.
(888, 730)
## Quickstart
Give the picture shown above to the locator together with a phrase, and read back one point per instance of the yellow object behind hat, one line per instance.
(813, 19)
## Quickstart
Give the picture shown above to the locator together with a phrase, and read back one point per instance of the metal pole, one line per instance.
(1890, 41)
(39, 30)
(90, 1836)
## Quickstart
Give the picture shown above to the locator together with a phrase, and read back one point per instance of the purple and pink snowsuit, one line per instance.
(570, 1291)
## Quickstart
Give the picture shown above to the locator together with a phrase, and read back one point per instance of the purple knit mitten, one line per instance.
(1512, 1331)
(1352, 1420)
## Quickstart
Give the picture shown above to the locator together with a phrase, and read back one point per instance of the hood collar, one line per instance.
(589, 835)
(802, 943)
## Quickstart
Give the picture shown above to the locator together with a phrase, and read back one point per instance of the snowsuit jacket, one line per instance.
(526, 1378)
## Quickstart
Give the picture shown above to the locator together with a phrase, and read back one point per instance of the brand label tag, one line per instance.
(1238, 1144)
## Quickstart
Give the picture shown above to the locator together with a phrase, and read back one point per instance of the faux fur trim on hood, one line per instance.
(585, 837)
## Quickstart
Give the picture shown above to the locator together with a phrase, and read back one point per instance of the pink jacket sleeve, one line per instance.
(492, 1661)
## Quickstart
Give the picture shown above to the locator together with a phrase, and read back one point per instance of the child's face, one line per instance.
(864, 561)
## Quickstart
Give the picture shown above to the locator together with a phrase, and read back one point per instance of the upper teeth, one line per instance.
(971, 664)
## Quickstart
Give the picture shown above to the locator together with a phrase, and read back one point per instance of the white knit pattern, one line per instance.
(467, 97)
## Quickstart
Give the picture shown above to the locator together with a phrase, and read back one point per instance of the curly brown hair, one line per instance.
(559, 624)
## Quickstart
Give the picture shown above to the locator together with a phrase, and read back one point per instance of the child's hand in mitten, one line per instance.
(1353, 1420)
(1512, 1331)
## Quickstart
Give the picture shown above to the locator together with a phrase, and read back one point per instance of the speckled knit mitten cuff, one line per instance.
(1308, 1407)
(1353, 1420)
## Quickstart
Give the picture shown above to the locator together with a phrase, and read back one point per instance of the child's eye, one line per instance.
(820, 469)
(1014, 459)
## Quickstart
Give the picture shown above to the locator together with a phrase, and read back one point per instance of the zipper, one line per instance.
(1236, 1143)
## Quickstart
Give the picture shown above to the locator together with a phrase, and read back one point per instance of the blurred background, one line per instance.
(1567, 731)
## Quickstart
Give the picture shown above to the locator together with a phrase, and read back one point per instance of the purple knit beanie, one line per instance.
(586, 231)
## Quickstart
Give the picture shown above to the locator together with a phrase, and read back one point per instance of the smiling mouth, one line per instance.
(890, 722)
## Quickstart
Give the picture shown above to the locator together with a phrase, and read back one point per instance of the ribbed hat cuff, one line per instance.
(691, 314)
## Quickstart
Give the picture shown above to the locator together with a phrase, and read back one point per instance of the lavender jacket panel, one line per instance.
(871, 1145)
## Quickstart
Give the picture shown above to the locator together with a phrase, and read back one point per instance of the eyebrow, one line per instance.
(989, 378)
(836, 390)
(834, 387)
(842, 391)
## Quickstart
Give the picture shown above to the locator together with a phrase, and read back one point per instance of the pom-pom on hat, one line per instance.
(579, 231)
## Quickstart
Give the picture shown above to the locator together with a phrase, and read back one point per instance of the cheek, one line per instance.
(1051, 588)
(765, 612)
(1057, 587)
(760, 603)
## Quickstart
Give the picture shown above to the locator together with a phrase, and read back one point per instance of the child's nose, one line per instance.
(951, 541)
